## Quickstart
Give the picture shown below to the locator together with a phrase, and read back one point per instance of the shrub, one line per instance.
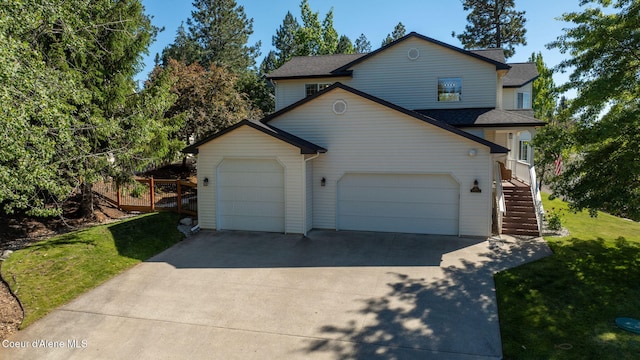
(554, 219)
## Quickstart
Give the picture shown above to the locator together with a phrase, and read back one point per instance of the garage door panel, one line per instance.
(400, 210)
(252, 223)
(406, 225)
(409, 195)
(253, 208)
(251, 180)
(251, 195)
(415, 203)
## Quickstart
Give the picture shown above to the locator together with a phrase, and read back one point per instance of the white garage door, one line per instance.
(251, 195)
(410, 203)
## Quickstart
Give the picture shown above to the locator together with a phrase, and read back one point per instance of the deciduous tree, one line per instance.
(604, 44)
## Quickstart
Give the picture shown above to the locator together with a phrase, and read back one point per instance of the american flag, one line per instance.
(558, 164)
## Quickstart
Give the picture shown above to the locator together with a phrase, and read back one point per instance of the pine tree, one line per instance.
(285, 39)
(222, 29)
(362, 45)
(493, 24)
(398, 32)
(345, 46)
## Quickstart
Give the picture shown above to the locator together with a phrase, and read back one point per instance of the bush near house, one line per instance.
(564, 306)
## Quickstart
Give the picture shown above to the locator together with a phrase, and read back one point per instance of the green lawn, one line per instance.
(53, 272)
(564, 306)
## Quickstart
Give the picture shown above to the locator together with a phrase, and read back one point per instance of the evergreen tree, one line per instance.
(605, 48)
(345, 46)
(70, 102)
(285, 39)
(398, 32)
(184, 48)
(362, 45)
(493, 24)
(221, 29)
(269, 63)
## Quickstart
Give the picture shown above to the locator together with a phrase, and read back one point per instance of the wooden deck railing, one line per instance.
(147, 195)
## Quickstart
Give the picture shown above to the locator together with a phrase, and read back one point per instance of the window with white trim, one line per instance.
(312, 89)
(523, 100)
(524, 147)
(449, 89)
(523, 154)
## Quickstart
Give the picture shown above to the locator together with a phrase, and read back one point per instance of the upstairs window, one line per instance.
(524, 100)
(312, 89)
(449, 89)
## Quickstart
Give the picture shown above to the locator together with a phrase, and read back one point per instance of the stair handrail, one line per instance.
(500, 200)
(537, 198)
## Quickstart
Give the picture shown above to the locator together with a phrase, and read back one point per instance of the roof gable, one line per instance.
(498, 64)
(493, 147)
(305, 146)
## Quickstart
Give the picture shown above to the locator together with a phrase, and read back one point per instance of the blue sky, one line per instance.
(375, 19)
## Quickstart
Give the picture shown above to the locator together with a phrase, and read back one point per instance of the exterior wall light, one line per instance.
(475, 188)
(473, 152)
(205, 182)
(323, 182)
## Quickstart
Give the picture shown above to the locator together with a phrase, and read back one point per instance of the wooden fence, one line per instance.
(147, 195)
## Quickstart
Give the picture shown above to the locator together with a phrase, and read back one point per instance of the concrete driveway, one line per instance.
(331, 295)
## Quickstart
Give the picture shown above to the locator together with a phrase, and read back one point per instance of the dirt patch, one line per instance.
(10, 312)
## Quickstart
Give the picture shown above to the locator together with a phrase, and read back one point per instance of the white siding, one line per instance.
(510, 96)
(309, 194)
(290, 91)
(249, 143)
(370, 138)
(413, 84)
(392, 76)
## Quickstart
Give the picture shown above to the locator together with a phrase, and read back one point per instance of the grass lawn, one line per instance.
(53, 272)
(564, 306)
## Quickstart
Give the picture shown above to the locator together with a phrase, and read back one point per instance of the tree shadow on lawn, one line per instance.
(571, 300)
(452, 316)
(143, 237)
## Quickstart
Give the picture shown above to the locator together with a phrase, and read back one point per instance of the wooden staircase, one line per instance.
(520, 218)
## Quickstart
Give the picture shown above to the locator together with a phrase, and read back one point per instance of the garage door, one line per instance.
(410, 203)
(251, 195)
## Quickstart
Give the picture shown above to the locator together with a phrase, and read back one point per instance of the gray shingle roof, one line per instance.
(338, 65)
(496, 54)
(305, 146)
(483, 117)
(313, 66)
(494, 148)
(520, 74)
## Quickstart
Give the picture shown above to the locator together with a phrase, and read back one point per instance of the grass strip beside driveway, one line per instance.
(55, 271)
(564, 306)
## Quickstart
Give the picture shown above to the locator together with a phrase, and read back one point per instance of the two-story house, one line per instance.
(404, 139)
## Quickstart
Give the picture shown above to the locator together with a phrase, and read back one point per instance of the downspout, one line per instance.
(304, 176)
